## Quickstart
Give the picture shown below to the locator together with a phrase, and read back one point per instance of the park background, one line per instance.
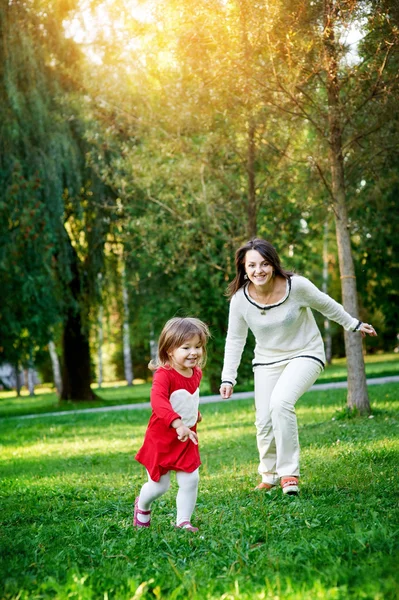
(140, 144)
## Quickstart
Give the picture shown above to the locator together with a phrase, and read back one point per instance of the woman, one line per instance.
(276, 306)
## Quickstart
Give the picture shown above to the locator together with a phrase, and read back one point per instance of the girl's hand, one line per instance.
(199, 417)
(366, 328)
(226, 390)
(184, 433)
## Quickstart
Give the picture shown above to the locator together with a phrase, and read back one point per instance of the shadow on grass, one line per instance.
(66, 520)
(83, 446)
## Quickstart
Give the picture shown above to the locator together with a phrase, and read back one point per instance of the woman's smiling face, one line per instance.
(258, 269)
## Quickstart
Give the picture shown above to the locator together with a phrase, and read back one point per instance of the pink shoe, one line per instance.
(138, 511)
(289, 485)
(187, 525)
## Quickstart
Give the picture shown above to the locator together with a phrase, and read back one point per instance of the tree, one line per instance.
(332, 96)
(216, 128)
(55, 211)
(357, 386)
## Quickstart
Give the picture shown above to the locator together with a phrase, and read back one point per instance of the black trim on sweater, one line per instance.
(288, 359)
(268, 306)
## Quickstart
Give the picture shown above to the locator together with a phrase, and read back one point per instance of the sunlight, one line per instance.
(109, 21)
(351, 36)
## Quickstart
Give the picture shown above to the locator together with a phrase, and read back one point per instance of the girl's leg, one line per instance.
(187, 495)
(297, 377)
(265, 379)
(150, 492)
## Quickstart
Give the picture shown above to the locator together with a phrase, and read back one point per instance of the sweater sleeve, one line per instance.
(235, 341)
(160, 397)
(312, 297)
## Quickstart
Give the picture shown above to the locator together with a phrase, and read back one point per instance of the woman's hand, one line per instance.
(199, 417)
(226, 390)
(366, 328)
(184, 433)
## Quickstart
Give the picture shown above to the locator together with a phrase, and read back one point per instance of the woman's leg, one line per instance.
(297, 377)
(150, 491)
(187, 495)
(265, 380)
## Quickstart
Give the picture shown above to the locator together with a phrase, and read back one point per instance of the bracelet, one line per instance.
(228, 382)
(359, 324)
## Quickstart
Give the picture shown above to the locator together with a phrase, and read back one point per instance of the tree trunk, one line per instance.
(55, 363)
(18, 382)
(76, 368)
(252, 225)
(127, 356)
(153, 346)
(357, 386)
(30, 376)
(31, 381)
(327, 327)
(100, 347)
(76, 375)
(251, 145)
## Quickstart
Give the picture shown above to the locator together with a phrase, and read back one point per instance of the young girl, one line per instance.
(171, 442)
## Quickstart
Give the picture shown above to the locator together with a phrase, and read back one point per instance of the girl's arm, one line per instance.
(235, 341)
(184, 433)
(160, 397)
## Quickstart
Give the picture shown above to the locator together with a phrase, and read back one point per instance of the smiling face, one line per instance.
(185, 357)
(259, 270)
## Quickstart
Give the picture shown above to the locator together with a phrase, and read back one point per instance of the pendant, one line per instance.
(263, 312)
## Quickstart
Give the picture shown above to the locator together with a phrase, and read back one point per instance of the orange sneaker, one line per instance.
(289, 485)
(265, 486)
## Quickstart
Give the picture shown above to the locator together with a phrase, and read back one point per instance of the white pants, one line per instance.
(186, 495)
(277, 388)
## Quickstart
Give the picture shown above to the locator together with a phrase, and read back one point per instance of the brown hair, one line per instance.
(266, 250)
(174, 334)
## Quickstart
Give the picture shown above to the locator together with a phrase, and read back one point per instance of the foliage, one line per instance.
(37, 159)
(52, 203)
(167, 144)
(68, 492)
(226, 121)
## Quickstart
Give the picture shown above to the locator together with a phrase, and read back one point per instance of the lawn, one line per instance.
(46, 400)
(68, 486)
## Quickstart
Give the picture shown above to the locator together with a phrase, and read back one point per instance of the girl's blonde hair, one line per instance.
(174, 334)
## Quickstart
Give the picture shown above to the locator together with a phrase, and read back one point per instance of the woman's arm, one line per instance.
(365, 328)
(311, 296)
(235, 341)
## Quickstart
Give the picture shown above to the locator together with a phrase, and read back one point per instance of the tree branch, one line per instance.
(323, 178)
(374, 89)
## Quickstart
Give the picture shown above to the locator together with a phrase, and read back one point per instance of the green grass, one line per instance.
(46, 400)
(377, 365)
(68, 486)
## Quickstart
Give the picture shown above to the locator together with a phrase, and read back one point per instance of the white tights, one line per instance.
(185, 499)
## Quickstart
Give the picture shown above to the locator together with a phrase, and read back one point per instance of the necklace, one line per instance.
(262, 310)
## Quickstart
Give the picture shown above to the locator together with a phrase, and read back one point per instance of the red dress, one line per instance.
(173, 396)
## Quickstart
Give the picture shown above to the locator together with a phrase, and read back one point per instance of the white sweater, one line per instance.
(282, 331)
